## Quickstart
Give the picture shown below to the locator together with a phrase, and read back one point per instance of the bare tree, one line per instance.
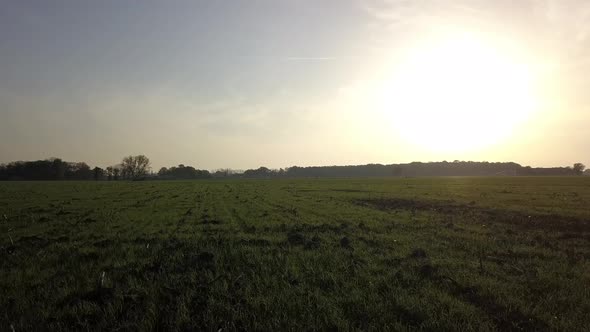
(134, 167)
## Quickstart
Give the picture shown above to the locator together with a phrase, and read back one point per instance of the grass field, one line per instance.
(344, 254)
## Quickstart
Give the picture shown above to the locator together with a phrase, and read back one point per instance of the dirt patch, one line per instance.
(552, 222)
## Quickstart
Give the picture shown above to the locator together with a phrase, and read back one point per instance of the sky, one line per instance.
(242, 84)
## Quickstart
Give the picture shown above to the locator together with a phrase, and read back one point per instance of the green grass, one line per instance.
(373, 254)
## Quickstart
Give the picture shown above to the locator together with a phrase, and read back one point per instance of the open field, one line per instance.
(375, 254)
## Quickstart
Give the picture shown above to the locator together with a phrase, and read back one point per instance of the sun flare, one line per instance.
(458, 93)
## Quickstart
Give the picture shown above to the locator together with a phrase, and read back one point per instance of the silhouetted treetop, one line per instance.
(182, 172)
(134, 167)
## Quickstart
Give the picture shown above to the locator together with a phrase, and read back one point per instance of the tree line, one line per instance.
(444, 168)
(130, 168)
(139, 168)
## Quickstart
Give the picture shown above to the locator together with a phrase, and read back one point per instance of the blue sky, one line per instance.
(208, 48)
(247, 83)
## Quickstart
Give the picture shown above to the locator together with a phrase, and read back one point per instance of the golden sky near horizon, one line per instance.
(242, 84)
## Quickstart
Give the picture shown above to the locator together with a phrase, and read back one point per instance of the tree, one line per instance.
(134, 167)
(579, 168)
(98, 173)
(116, 173)
(258, 173)
(162, 171)
(59, 167)
(110, 173)
(78, 171)
(183, 172)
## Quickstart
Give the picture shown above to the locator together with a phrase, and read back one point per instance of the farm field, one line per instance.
(481, 254)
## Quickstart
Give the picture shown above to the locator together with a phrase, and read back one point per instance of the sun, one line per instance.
(458, 93)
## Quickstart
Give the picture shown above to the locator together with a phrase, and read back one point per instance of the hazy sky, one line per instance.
(242, 84)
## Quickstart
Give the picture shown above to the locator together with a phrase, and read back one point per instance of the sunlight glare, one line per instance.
(457, 94)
